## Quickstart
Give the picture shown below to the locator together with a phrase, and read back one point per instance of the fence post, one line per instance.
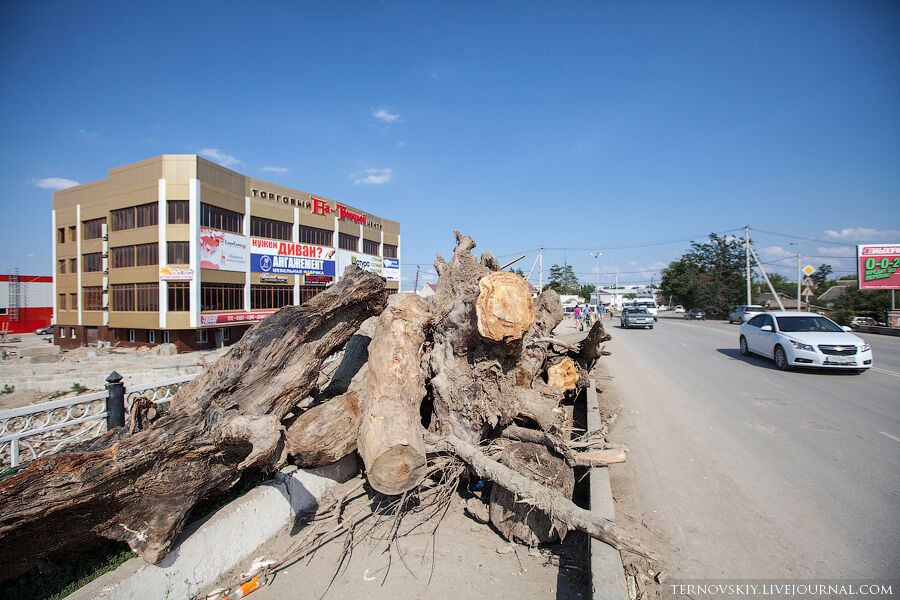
(115, 401)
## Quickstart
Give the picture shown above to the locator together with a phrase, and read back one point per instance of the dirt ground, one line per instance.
(461, 559)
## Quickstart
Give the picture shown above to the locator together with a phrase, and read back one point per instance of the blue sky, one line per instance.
(568, 125)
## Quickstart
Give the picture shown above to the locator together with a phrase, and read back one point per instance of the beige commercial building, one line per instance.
(179, 249)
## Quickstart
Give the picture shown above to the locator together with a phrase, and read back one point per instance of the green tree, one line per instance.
(564, 280)
(858, 303)
(821, 274)
(585, 292)
(710, 276)
(781, 284)
(518, 272)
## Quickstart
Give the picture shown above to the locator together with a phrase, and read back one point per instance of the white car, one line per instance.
(679, 309)
(801, 339)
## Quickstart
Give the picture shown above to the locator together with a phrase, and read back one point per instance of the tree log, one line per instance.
(325, 433)
(504, 308)
(390, 438)
(139, 488)
(356, 354)
(519, 521)
(591, 458)
(540, 497)
(591, 348)
(563, 375)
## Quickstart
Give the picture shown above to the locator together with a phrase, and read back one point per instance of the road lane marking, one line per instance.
(886, 372)
(773, 383)
(896, 439)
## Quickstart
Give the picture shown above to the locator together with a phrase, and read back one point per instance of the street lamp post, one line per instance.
(597, 256)
(798, 274)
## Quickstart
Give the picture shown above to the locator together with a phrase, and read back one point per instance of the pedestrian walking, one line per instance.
(578, 322)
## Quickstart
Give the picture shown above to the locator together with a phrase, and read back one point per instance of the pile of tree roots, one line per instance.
(468, 383)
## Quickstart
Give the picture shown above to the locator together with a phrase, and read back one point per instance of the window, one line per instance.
(177, 212)
(147, 297)
(93, 262)
(307, 292)
(61, 239)
(151, 336)
(92, 297)
(348, 242)
(61, 304)
(226, 334)
(271, 296)
(201, 336)
(144, 215)
(390, 251)
(131, 336)
(222, 296)
(73, 301)
(62, 332)
(3, 310)
(370, 247)
(178, 253)
(267, 228)
(93, 229)
(179, 296)
(147, 254)
(122, 296)
(73, 265)
(220, 218)
(72, 331)
(61, 266)
(122, 256)
(314, 235)
(72, 234)
(167, 338)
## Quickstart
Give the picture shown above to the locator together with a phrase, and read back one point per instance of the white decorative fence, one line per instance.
(32, 431)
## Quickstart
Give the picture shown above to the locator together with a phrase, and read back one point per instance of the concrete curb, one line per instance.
(607, 572)
(209, 549)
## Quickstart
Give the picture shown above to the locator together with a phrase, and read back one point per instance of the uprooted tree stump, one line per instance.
(423, 381)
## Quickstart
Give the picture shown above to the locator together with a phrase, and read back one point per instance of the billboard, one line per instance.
(389, 268)
(208, 319)
(288, 258)
(878, 266)
(222, 250)
(169, 273)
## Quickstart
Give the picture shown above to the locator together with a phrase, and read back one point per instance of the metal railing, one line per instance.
(30, 432)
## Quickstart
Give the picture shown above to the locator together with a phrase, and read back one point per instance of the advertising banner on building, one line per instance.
(208, 319)
(170, 273)
(288, 258)
(222, 250)
(390, 269)
(879, 266)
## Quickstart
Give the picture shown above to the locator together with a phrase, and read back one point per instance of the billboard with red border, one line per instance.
(878, 266)
(207, 319)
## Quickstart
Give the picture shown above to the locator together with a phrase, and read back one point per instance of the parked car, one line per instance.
(744, 313)
(48, 330)
(802, 339)
(857, 321)
(634, 316)
(679, 309)
(696, 314)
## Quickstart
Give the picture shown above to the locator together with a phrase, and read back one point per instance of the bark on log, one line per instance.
(540, 497)
(518, 521)
(504, 308)
(591, 458)
(356, 354)
(591, 348)
(325, 433)
(543, 410)
(390, 439)
(139, 488)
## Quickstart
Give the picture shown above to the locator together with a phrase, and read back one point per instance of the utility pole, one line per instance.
(597, 256)
(416, 284)
(798, 273)
(747, 259)
(541, 270)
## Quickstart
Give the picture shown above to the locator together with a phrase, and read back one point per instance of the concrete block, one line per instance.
(211, 548)
(47, 350)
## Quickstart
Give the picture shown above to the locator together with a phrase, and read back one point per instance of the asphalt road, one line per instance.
(750, 472)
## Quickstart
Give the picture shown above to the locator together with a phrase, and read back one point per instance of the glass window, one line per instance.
(348, 242)
(146, 254)
(226, 334)
(72, 331)
(92, 297)
(62, 332)
(756, 321)
(145, 215)
(73, 265)
(268, 228)
(61, 303)
(73, 301)
(151, 336)
(307, 292)
(167, 337)
(61, 266)
(178, 253)
(370, 247)
(147, 297)
(122, 256)
(61, 239)
(131, 336)
(221, 218)
(315, 235)
(179, 293)
(93, 262)
(122, 296)
(72, 234)
(271, 296)
(221, 296)
(801, 324)
(177, 212)
(201, 336)
(93, 229)
(390, 251)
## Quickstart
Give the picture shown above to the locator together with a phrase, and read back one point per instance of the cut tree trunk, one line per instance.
(513, 517)
(504, 308)
(325, 433)
(139, 488)
(390, 439)
(563, 375)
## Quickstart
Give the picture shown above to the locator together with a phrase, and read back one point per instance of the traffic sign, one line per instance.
(809, 270)
(808, 282)
(807, 292)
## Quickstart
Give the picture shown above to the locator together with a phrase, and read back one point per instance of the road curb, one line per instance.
(607, 572)
(213, 547)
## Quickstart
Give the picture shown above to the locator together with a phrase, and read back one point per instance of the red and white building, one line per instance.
(26, 302)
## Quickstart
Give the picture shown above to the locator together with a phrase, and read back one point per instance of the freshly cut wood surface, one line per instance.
(563, 375)
(504, 307)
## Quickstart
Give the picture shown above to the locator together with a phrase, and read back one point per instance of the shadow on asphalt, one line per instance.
(763, 363)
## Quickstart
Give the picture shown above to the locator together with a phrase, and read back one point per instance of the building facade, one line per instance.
(26, 302)
(177, 249)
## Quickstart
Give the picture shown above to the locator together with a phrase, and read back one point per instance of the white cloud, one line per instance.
(55, 183)
(374, 177)
(862, 234)
(29, 255)
(385, 116)
(88, 134)
(226, 160)
(836, 251)
(275, 169)
(774, 252)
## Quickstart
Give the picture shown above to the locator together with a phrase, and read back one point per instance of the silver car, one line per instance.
(744, 313)
(636, 317)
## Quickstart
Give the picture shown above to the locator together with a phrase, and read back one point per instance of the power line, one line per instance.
(798, 237)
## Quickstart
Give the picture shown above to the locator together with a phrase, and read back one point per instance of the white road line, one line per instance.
(886, 372)
(773, 383)
(896, 439)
